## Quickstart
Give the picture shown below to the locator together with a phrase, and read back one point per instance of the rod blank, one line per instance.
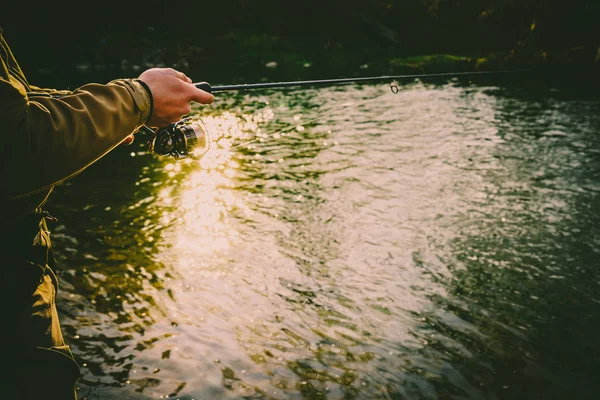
(250, 86)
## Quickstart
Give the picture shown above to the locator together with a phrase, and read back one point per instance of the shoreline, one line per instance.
(248, 60)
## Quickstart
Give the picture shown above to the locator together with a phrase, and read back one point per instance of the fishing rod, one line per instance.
(189, 137)
(268, 85)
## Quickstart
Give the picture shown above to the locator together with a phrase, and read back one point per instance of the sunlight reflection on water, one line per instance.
(398, 248)
(202, 195)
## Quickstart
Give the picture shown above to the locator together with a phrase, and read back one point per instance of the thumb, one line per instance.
(200, 96)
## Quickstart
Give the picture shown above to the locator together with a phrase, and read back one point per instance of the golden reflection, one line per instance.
(195, 203)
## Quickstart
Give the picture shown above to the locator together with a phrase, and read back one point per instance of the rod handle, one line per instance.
(204, 86)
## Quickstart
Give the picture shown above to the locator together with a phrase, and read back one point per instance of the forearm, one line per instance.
(49, 91)
(61, 136)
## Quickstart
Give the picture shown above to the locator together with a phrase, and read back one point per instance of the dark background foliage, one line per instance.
(230, 39)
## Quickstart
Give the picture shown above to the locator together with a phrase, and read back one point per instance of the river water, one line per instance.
(346, 242)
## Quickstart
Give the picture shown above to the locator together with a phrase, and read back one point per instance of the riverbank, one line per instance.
(261, 58)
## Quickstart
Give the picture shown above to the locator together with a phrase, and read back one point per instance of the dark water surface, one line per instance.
(438, 243)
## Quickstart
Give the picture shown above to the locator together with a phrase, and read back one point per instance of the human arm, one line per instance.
(171, 92)
(48, 136)
(49, 91)
(50, 139)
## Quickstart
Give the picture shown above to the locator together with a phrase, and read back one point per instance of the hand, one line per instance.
(172, 93)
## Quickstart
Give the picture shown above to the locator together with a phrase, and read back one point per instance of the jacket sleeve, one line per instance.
(56, 137)
(50, 91)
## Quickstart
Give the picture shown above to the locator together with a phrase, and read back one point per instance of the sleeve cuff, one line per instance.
(140, 92)
(145, 86)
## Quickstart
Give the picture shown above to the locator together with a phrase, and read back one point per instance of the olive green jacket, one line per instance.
(48, 136)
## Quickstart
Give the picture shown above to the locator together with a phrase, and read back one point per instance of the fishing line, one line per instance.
(207, 87)
(393, 88)
(189, 135)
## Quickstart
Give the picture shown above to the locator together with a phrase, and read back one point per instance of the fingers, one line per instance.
(197, 95)
(183, 77)
(180, 75)
(187, 109)
(200, 96)
(172, 93)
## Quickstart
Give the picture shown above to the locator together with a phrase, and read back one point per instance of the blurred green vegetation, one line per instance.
(240, 40)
